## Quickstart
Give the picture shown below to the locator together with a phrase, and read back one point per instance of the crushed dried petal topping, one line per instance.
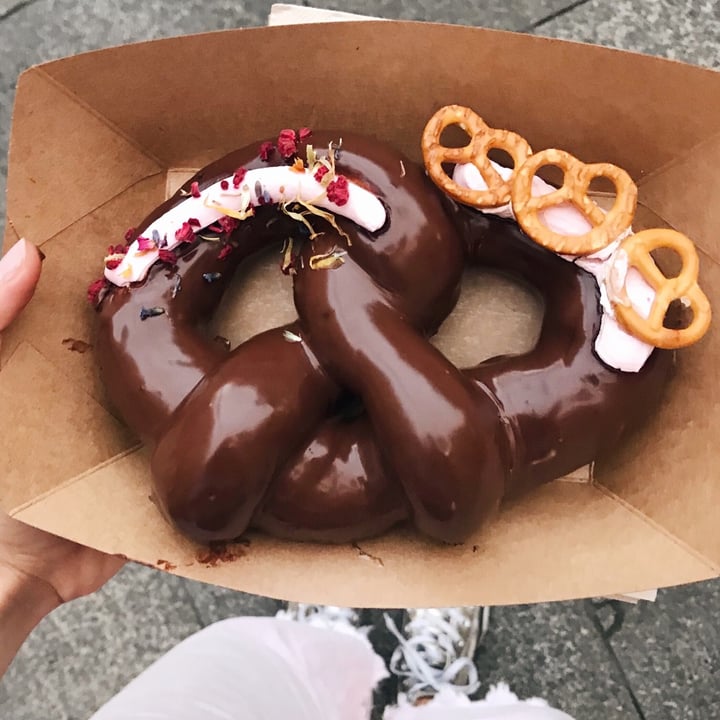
(185, 233)
(333, 189)
(266, 150)
(321, 172)
(112, 261)
(145, 244)
(338, 191)
(287, 143)
(96, 290)
(146, 313)
(287, 264)
(330, 260)
(228, 224)
(167, 256)
(238, 177)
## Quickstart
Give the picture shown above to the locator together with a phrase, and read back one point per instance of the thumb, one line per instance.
(19, 274)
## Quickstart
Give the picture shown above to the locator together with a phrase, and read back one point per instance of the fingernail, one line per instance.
(13, 260)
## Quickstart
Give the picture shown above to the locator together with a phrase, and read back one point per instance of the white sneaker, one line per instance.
(330, 617)
(436, 648)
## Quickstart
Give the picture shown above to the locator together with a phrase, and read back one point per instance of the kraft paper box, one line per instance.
(100, 139)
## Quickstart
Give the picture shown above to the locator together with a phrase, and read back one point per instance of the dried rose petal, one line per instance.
(146, 244)
(117, 249)
(228, 224)
(224, 184)
(95, 289)
(225, 251)
(287, 143)
(266, 150)
(129, 234)
(239, 176)
(194, 222)
(338, 191)
(167, 256)
(185, 234)
(195, 189)
(305, 133)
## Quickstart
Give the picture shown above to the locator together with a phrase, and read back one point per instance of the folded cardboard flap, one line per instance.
(88, 163)
(49, 429)
(679, 446)
(120, 140)
(531, 553)
(59, 313)
(696, 213)
(184, 111)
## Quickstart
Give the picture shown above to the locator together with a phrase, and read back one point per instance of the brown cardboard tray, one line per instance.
(99, 139)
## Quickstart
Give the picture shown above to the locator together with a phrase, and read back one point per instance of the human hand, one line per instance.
(38, 571)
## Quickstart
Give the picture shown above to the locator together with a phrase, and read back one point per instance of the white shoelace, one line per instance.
(432, 654)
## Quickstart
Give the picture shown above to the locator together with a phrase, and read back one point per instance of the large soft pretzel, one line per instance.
(345, 422)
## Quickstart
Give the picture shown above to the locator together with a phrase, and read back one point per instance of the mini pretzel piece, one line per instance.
(576, 184)
(482, 139)
(684, 287)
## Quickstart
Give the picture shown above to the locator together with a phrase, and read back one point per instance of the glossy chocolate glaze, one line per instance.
(566, 408)
(269, 435)
(254, 410)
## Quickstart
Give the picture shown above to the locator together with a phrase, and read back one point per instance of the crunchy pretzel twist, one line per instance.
(606, 226)
(482, 139)
(576, 183)
(636, 249)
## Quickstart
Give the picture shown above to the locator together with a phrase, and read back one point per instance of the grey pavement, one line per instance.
(597, 660)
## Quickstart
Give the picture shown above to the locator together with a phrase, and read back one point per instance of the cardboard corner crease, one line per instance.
(117, 140)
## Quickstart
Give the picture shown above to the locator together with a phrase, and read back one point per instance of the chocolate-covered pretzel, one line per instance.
(343, 423)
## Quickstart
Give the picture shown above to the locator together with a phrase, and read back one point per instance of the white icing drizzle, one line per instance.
(617, 283)
(277, 184)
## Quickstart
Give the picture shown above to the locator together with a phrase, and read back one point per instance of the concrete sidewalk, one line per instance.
(595, 660)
